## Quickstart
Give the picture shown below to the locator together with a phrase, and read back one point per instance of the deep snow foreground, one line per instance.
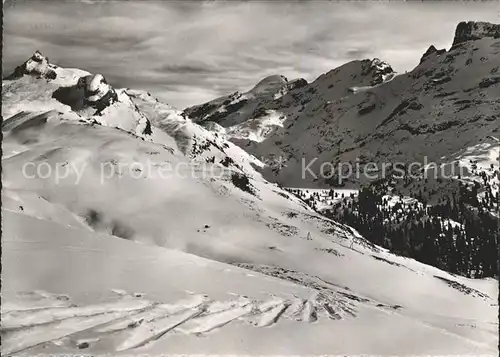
(113, 257)
(110, 294)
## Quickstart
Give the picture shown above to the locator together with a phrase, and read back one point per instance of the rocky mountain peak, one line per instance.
(430, 51)
(270, 85)
(472, 30)
(37, 65)
(378, 69)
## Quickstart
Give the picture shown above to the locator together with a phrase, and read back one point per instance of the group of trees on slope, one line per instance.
(457, 233)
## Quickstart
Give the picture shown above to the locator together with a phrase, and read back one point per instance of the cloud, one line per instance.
(358, 53)
(195, 69)
(189, 52)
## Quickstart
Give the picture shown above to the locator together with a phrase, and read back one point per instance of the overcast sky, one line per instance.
(189, 52)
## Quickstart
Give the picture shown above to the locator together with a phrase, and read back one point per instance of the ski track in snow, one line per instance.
(18, 340)
(18, 319)
(131, 321)
(36, 300)
(155, 329)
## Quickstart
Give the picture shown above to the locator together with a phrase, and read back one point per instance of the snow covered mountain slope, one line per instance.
(92, 205)
(237, 107)
(448, 102)
(67, 289)
(251, 115)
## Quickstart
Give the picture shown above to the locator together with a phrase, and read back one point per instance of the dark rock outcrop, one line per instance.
(97, 92)
(297, 83)
(489, 81)
(469, 31)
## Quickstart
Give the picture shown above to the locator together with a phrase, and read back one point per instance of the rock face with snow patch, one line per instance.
(379, 70)
(97, 92)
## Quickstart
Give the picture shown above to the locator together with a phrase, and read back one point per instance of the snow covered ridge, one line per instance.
(276, 86)
(244, 116)
(89, 98)
(249, 105)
